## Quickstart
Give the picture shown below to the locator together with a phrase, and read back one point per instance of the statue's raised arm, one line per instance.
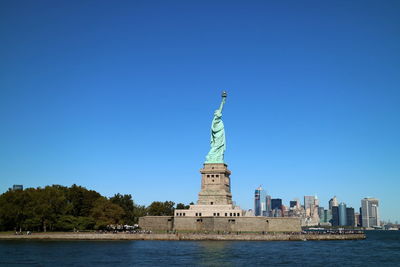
(224, 95)
(218, 144)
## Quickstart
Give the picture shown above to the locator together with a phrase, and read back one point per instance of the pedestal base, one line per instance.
(215, 185)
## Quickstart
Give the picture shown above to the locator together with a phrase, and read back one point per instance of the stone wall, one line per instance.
(220, 224)
(156, 223)
(183, 236)
(237, 224)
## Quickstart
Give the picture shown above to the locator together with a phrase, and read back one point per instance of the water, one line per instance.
(380, 248)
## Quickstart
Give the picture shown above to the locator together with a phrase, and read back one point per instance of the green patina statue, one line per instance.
(218, 143)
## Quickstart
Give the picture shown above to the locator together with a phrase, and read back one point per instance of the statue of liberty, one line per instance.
(218, 144)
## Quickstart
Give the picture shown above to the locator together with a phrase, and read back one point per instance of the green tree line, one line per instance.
(60, 208)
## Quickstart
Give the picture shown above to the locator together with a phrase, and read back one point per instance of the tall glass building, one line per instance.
(259, 202)
(342, 214)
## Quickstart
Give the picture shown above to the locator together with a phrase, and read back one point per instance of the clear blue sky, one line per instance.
(118, 96)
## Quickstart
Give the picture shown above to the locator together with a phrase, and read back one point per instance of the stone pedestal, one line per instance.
(215, 185)
(215, 198)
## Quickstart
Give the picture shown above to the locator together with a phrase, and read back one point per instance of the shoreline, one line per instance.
(184, 236)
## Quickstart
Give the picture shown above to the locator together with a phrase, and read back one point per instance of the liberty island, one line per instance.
(213, 217)
(215, 211)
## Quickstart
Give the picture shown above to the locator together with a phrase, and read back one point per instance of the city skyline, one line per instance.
(314, 213)
(119, 97)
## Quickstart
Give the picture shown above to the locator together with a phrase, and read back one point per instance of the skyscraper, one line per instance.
(328, 216)
(276, 203)
(316, 201)
(268, 206)
(333, 202)
(259, 201)
(308, 202)
(335, 216)
(321, 214)
(350, 218)
(370, 212)
(342, 214)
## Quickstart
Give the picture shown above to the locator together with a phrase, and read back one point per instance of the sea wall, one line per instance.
(220, 224)
(156, 223)
(185, 236)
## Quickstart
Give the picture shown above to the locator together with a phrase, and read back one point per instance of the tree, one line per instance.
(126, 203)
(63, 208)
(82, 200)
(106, 213)
(158, 208)
(181, 206)
(51, 204)
(13, 209)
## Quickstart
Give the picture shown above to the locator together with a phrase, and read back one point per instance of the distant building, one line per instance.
(17, 187)
(316, 201)
(276, 203)
(370, 212)
(327, 216)
(350, 217)
(295, 209)
(268, 206)
(276, 212)
(321, 214)
(335, 216)
(259, 201)
(309, 202)
(357, 220)
(249, 213)
(333, 203)
(293, 203)
(342, 214)
(285, 211)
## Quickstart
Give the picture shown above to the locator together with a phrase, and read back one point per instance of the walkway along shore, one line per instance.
(184, 236)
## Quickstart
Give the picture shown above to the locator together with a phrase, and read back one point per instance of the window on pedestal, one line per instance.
(212, 203)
